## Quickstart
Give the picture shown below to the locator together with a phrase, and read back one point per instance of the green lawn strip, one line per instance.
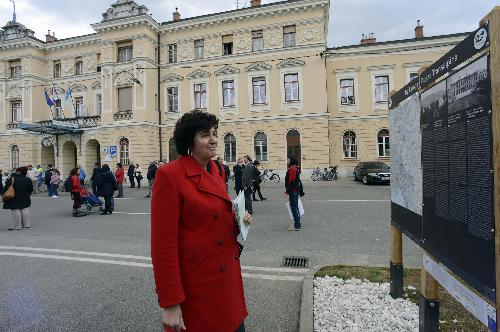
(453, 316)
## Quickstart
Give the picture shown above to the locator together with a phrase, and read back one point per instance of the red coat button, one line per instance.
(220, 242)
(216, 216)
(222, 268)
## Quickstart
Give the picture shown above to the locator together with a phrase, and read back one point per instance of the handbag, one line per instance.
(10, 193)
(139, 177)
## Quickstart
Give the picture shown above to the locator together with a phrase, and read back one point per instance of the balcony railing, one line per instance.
(13, 125)
(124, 115)
(82, 122)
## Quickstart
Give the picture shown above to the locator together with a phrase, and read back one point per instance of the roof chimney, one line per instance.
(49, 38)
(255, 3)
(176, 14)
(419, 30)
(368, 39)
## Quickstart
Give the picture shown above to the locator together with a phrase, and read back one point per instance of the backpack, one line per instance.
(68, 185)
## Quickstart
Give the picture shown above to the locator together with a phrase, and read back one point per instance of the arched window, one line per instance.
(293, 146)
(349, 145)
(14, 157)
(124, 151)
(229, 148)
(260, 146)
(383, 143)
(172, 150)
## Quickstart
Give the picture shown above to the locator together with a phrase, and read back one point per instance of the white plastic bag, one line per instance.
(301, 209)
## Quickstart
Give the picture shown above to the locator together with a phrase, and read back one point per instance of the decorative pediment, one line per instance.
(96, 86)
(291, 62)
(123, 79)
(14, 93)
(123, 9)
(171, 77)
(78, 87)
(258, 66)
(198, 73)
(227, 70)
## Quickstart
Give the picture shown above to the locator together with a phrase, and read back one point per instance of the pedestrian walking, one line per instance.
(292, 186)
(76, 192)
(191, 210)
(46, 179)
(55, 179)
(257, 179)
(138, 175)
(33, 176)
(39, 178)
(247, 182)
(94, 177)
(131, 175)
(120, 177)
(151, 176)
(82, 176)
(238, 173)
(20, 203)
(1, 180)
(107, 186)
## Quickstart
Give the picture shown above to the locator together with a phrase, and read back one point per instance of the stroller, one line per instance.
(90, 201)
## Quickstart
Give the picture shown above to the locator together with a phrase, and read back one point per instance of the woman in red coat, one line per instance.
(76, 192)
(194, 249)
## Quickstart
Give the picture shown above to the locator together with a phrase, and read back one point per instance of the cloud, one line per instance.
(349, 19)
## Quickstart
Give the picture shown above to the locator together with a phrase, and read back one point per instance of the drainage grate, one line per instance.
(291, 261)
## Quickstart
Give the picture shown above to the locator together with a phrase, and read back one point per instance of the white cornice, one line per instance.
(126, 23)
(396, 47)
(361, 117)
(249, 14)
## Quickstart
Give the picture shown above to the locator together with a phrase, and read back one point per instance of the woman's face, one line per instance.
(205, 144)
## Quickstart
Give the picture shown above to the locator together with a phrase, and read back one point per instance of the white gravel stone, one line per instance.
(357, 306)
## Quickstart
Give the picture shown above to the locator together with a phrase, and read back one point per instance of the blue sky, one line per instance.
(349, 19)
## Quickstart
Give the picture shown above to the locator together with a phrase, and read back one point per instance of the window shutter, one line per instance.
(124, 99)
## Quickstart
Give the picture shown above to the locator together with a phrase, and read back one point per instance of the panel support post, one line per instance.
(429, 303)
(396, 267)
(494, 22)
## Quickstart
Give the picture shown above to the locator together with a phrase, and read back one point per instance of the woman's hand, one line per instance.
(248, 219)
(172, 317)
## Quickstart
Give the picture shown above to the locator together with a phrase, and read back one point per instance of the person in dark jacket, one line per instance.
(107, 186)
(153, 167)
(47, 177)
(93, 178)
(292, 186)
(256, 181)
(227, 172)
(131, 175)
(21, 202)
(1, 180)
(247, 182)
(238, 173)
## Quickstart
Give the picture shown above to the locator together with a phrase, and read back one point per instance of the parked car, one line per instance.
(372, 172)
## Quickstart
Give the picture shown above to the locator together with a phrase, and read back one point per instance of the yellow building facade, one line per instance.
(264, 71)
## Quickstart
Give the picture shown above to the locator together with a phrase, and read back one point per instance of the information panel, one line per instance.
(406, 168)
(457, 166)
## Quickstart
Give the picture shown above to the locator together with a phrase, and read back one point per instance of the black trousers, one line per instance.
(107, 203)
(94, 188)
(256, 189)
(248, 200)
(132, 181)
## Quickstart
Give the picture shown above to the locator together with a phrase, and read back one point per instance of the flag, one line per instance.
(69, 94)
(54, 92)
(50, 102)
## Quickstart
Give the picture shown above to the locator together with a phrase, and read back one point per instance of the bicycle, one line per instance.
(270, 175)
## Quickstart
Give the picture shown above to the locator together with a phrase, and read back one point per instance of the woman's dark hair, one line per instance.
(189, 125)
(293, 161)
(74, 171)
(22, 170)
(105, 167)
(256, 163)
(119, 165)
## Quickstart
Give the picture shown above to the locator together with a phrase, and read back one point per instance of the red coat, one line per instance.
(194, 249)
(119, 175)
(75, 184)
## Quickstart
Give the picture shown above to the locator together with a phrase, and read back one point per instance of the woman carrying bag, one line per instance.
(138, 175)
(16, 197)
